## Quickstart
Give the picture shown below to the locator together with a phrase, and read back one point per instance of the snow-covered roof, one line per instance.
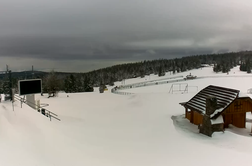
(224, 97)
(242, 94)
(218, 120)
(216, 112)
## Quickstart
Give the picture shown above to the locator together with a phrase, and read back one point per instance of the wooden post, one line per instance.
(251, 129)
(192, 116)
(186, 111)
(50, 116)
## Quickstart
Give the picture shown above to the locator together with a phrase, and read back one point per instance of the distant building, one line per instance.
(214, 108)
(190, 77)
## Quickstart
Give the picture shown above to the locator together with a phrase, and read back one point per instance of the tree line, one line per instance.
(84, 82)
(221, 63)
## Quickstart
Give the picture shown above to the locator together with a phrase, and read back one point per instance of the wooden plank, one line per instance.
(227, 120)
(249, 105)
(242, 107)
(239, 120)
(197, 118)
(191, 118)
(232, 113)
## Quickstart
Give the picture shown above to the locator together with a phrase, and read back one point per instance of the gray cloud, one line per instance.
(100, 33)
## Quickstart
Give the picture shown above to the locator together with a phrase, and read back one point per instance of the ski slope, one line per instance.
(144, 129)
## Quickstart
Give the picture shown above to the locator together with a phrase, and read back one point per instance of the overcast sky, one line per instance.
(82, 35)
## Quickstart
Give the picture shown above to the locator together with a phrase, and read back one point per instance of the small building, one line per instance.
(190, 77)
(214, 108)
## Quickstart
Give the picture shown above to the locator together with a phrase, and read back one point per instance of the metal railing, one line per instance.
(158, 82)
(142, 84)
(122, 93)
(224, 76)
(43, 111)
(116, 90)
(150, 82)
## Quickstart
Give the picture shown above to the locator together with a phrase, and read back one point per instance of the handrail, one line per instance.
(148, 83)
(157, 82)
(50, 113)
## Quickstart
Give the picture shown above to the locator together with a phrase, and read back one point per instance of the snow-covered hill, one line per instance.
(116, 130)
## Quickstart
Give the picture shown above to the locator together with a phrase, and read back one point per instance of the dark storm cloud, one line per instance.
(98, 30)
(63, 49)
(74, 49)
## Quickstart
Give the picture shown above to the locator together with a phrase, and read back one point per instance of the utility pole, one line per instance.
(32, 72)
(9, 82)
(10, 85)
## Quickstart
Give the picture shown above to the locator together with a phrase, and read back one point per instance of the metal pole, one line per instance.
(10, 85)
(12, 105)
(32, 72)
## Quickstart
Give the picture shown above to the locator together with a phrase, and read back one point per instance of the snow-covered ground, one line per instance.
(144, 129)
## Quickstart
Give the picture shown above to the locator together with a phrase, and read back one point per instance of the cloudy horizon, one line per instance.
(81, 35)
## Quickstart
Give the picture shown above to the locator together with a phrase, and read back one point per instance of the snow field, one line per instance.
(116, 130)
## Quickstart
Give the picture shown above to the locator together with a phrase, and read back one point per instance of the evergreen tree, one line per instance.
(243, 67)
(67, 85)
(87, 85)
(248, 66)
(52, 84)
(173, 68)
(7, 85)
(161, 71)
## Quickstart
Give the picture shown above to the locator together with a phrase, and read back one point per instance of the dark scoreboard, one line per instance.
(32, 86)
